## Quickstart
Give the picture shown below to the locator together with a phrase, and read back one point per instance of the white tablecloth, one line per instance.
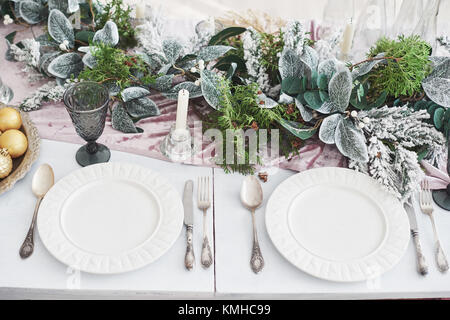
(42, 276)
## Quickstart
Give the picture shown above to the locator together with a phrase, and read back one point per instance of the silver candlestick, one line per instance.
(177, 145)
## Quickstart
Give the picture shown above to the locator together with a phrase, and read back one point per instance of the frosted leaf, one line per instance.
(45, 60)
(84, 49)
(194, 90)
(291, 65)
(298, 129)
(121, 120)
(32, 12)
(306, 114)
(89, 60)
(6, 94)
(327, 130)
(66, 65)
(212, 52)
(285, 99)
(210, 88)
(310, 57)
(163, 83)
(109, 35)
(438, 90)
(61, 5)
(340, 89)
(142, 108)
(73, 6)
(131, 93)
(60, 28)
(328, 68)
(351, 141)
(366, 67)
(172, 49)
(441, 70)
(265, 102)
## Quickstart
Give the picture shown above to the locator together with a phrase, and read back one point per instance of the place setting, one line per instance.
(248, 141)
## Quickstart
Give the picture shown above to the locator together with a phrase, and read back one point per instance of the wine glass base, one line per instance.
(85, 158)
(442, 199)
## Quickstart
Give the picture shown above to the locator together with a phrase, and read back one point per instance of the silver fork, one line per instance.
(204, 203)
(426, 204)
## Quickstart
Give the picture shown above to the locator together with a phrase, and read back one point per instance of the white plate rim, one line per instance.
(382, 260)
(162, 239)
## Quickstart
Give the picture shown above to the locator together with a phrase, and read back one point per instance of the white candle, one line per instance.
(347, 40)
(182, 110)
(140, 10)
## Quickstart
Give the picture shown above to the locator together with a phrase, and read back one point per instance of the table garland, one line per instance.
(385, 114)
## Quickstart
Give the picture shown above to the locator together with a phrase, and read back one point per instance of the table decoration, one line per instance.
(337, 224)
(87, 104)
(204, 203)
(110, 218)
(188, 204)
(21, 158)
(287, 82)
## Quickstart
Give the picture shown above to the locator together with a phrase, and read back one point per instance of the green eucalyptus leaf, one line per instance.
(380, 101)
(291, 86)
(10, 36)
(327, 132)
(66, 65)
(324, 96)
(60, 28)
(351, 141)
(121, 121)
(132, 93)
(438, 118)
(210, 83)
(313, 99)
(212, 52)
(142, 108)
(223, 64)
(322, 82)
(299, 130)
(225, 34)
(85, 36)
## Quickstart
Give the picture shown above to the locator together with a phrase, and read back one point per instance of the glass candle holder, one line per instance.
(177, 145)
(87, 105)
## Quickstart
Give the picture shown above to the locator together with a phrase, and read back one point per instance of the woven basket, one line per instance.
(23, 164)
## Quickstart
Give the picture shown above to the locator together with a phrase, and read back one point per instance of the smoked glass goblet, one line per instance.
(87, 104)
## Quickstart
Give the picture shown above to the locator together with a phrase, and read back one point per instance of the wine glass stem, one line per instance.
(92, 147)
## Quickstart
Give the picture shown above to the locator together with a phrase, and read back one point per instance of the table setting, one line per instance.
(257, 158)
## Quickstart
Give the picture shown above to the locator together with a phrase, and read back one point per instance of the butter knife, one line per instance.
(421, 263)
(189, 258)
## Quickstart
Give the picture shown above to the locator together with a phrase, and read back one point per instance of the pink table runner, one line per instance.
(53, 122)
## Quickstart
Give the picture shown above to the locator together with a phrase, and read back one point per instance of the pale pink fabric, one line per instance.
(54, 123)
(437, 178)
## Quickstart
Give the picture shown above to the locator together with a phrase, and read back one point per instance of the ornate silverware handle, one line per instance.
(27, 247)
(421, 263)
(440, 258)
(206, 257)
(189, 259)
(257, 260)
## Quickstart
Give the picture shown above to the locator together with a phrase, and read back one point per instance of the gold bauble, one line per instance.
(15, 142)
(10, 119)
(6, 163)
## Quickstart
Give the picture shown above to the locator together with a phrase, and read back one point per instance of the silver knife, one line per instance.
(421, 263)
(189, 259)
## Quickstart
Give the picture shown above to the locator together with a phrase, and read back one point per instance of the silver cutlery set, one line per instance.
(426, 206)
(203, 203)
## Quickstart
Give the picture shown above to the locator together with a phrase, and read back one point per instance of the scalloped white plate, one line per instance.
(110, 218)
(337, 224)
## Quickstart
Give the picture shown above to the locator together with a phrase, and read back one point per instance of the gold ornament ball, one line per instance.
(10, 119)
(15, 142)
(6, 163)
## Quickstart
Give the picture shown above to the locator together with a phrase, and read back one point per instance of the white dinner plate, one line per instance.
(110, 218)
(337, 224)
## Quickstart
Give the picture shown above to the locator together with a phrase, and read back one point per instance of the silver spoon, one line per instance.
(43, 180)
(252, 198)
